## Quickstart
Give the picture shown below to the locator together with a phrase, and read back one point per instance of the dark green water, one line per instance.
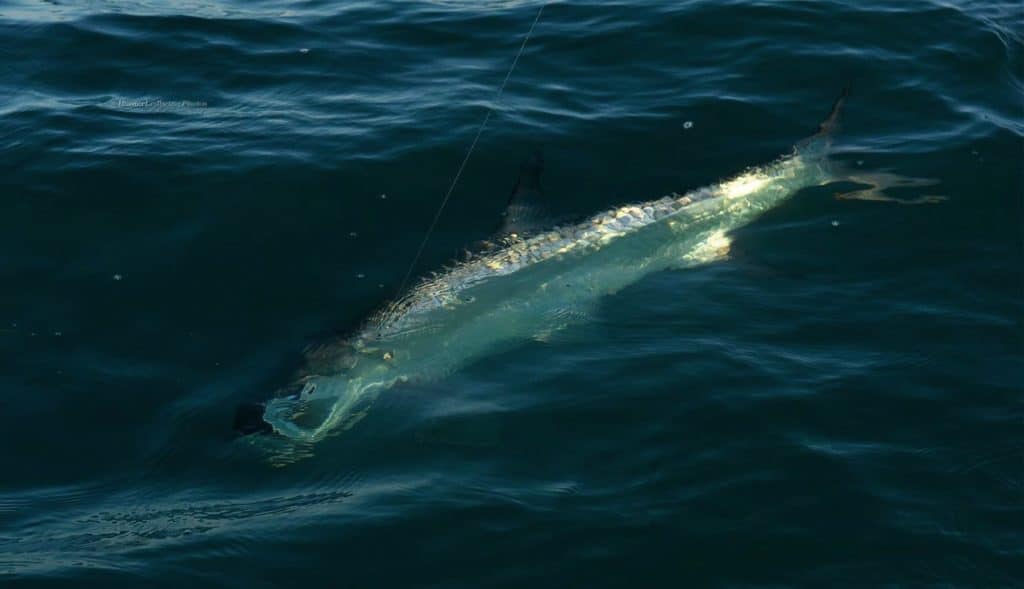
(192, 192)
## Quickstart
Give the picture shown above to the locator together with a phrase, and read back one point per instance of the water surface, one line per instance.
(192, 192)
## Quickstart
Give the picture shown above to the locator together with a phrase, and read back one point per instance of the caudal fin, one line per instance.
(879, 184)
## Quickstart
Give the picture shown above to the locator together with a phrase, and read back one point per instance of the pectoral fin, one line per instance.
(559, 321)
(715, 247)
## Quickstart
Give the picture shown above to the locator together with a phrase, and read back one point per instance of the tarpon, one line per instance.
(529, 286)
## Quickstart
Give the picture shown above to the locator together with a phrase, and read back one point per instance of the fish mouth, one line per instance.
(249, 420)
(251, 417)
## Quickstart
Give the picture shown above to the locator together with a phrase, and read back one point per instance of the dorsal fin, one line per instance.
(524, 210)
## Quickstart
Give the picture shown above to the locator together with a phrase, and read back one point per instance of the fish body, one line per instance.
(529, 287)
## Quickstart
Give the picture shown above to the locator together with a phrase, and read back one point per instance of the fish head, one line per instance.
(316, 403)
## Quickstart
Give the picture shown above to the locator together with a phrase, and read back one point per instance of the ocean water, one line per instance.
(192, 192)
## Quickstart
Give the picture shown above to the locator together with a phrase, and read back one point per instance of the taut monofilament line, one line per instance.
(469, 152)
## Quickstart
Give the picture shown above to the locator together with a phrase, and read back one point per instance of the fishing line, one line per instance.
(469, 152)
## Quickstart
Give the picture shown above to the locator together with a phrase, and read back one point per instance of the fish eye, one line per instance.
(307, 390)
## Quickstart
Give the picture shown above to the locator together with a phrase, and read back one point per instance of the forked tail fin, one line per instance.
(877, 183)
